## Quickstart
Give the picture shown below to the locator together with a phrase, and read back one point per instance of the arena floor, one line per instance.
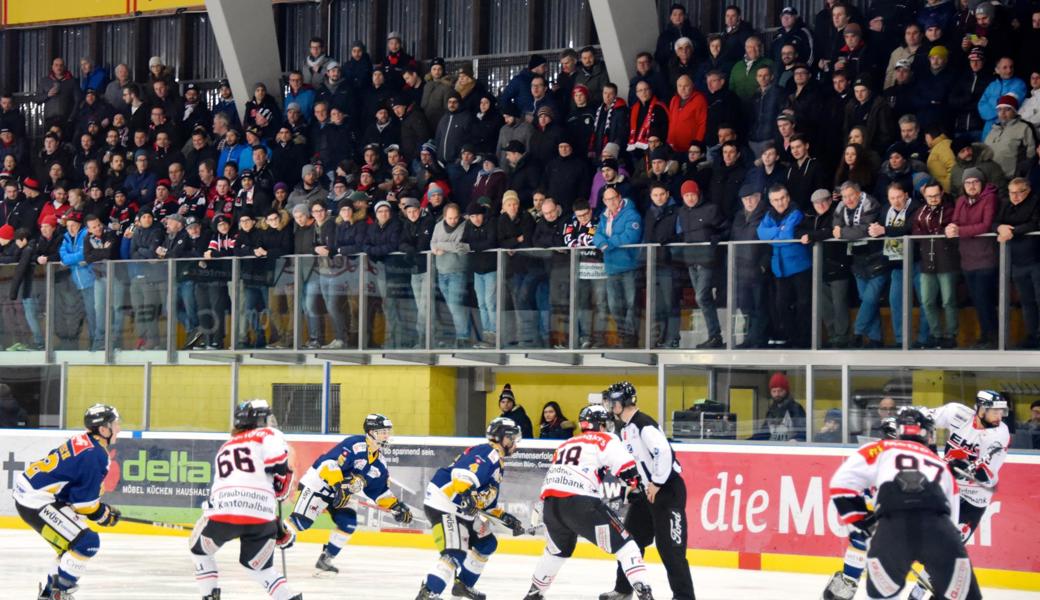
(134, 567)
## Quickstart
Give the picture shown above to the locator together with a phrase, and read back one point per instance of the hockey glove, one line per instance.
(340, 498)
(867, 524)
(286, 535)
(468, 505)
(512, 523)
(105, 516)
(355, 484)
(282, 485)
(400, 512)
(962, 469)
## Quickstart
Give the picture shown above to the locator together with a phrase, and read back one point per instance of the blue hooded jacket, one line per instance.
(72, 256)
(788, 259)
(626, 229)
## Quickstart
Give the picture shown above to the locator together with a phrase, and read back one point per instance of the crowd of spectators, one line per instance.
(865, 127)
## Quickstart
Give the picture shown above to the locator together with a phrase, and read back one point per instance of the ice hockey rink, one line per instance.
(135, 567)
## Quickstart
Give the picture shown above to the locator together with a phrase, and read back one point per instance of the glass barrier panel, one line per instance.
(454, 309)
(937, 279)
(825, 426)
(625, 297)
(977, 321)
(389, 297)
(537, 295)
(698, 273)
(281, 304)
(203, 303)
(590, 306)
(872, 322)
(22, 308)
(32, 397)
(876, 394)
(1023, 317)
(483, 270)
(76, 325)
(751, 302)
(669, 275)
(255, 327)
(331, 287)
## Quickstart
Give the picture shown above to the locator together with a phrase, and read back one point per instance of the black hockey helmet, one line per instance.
(99, 415)
(990, 399)
(914, 425)
(593, 417)
(377, 422)
(252, 414)
(623, 392)
(501, 428)
(889, 429)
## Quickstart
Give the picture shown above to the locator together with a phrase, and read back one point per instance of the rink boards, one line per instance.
(748, 506)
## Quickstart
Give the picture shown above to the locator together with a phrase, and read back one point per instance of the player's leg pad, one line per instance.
(58, 524)
(309, 504)
(631, 562)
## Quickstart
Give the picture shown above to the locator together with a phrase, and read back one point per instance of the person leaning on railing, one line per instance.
(452, 263)
(792, 270)
(1014, 221)
(620, 226)
(973, 217)
(852, 220)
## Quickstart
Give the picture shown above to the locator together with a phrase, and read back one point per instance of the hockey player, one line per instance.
(353, 466)
(252, 476)
(916, 511)
(975, 450)
(455, 499)
(56, 494)
(844, 583)
(573, 503)
(659, 515)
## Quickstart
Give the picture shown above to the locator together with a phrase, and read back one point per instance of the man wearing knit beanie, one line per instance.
(511, 410)
(698, 221)
(785, 418)
(973, 217)
(1011, 138)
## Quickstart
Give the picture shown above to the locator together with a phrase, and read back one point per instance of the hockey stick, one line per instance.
(173, 526)
(927, 585)
(528, 530)
(279, 502)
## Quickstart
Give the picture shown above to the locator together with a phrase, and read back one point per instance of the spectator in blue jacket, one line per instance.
(81, 274)
(792, 269)
(91, 76)
(518, 92)
(300, 94)
(140, 185)
(1005, 83)
(620, 225)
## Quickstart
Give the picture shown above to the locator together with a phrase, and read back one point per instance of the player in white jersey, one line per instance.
(916, 510)
(975, 450)
(252, 476)
(574, 505)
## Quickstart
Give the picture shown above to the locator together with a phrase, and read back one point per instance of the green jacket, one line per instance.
(742, 78)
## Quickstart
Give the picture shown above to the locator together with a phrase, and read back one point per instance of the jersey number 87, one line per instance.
(908, 462)
(242, 461)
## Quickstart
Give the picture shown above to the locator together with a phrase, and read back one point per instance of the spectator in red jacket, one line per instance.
(687, 115)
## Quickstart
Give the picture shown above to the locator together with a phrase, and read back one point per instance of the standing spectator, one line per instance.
(580, 232)
(511, 410)
(834, 289)
(792, 269)
(211, 291)
(524, 176)
(742, 78)
(315, 65)
(564, 84)
(395, 62)
(416, 230)
(793, 32)
(976, 155)
(762, 110)
(682, 62)
(687, 115)
(872, 113)
(659, 229)
(610, 124)
(82, 275)
(301, 94)
(554, 425)
(491, 183)
(724, 107)
(59, 93)
(592, 73)
(1012, 140)
(896, 222)
(1005, 84)
(482, 237)
(336, 241)
(514, 129)
(785, 418)
(470, 89)
(552, 291)
(518, 92)
(645, 71)
(1015, 220)
(515, 231)
(648, 117)
(380, 239)
(805, 174)
(415, 129)
(452, 264)
(940, 155)
(453, 130)
(146, 281)
(727, 178)
(678, 27)
(620, 226)
(735, 34)
(700, 222)
(852, 221)
(566, 177)
(972, 217)
(939, 265)
(357, 73)
(487, 122)
(855, 57)
(752, 268)
(966, 94)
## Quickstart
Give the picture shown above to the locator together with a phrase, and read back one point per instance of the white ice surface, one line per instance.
(145, 568)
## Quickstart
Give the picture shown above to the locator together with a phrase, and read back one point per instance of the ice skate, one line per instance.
(840, 587)
(214, 595)
(642, 591)
(426, 594)
(324, 567)
(461, 590)
(534, 593)
(615, 595)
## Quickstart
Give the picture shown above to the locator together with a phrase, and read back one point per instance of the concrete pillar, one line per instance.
(245, 34)
(625, 28)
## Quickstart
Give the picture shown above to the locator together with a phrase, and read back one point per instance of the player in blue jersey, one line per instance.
(353, 466)
(454, 500)
(56, 494)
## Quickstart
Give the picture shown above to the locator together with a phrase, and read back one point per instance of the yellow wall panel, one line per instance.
(31, 11)
(419, 400)
(571, 389)
(120, 386)
(205, 405)
(146, 5)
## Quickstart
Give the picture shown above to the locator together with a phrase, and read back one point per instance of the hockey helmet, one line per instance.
(252, 414)
(99, 415)
(987, 400)
(889, 430)
(377, 422)
(593, 417)
(501, 428)
(622, 392)
(914, 425)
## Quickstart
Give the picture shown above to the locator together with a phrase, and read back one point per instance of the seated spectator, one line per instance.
(682, 62)
(830, 433)
(621, 225)
(856, 166)
(834, 289)
(886, 408)
(1014, 221)
(792, 269)
(785, 418)
(976, 155)
(524, 177)
(1030, 430)
(768, 170)
(939, 265)
(1012, 140)
(1029, 110)
(554, 424)
(972, 217)
(897, 168)
(511, 410)
(852, 222)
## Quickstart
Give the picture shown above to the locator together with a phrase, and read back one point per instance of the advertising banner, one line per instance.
(746, 499)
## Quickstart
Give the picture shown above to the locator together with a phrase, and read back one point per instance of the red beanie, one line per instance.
(6, 232)
(690, 187)
(779, 380)
(49, 220)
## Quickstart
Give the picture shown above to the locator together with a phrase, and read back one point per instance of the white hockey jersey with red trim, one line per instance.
(242, 490)
(878, 463)
(984, 447)
(577, 464)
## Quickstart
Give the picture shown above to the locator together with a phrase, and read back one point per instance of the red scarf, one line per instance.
(639, 135)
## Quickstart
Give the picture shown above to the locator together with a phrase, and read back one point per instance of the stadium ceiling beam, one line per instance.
(356, 358)
(280, 357)
(625, 28)
(245, 34)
